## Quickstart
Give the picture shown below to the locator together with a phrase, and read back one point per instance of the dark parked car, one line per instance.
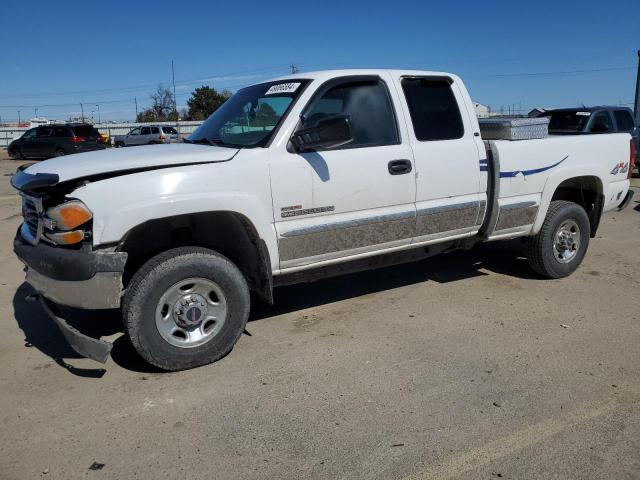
(56, 140)
(569, 121)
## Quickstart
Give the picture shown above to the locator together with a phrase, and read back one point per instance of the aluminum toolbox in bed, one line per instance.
(503, 128)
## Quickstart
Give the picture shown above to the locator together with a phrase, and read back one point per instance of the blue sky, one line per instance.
(549, 53)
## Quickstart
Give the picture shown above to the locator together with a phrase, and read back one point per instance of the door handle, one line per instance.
(399, 167)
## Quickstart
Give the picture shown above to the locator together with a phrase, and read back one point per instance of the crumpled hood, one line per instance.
(112, 160)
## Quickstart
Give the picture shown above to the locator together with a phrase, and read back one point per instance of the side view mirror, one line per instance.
(330, 132)
(599, 128)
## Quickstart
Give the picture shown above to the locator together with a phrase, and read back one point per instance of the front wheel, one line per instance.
(558, 249)
(186, 307)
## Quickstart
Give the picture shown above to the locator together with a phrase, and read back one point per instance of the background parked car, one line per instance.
(147, 136)
(56, 140)
(569, 121)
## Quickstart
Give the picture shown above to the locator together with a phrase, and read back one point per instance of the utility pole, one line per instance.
(99, 120)
(294, 69)
(82, 110)
(35, 110)
(636, 110)
(135, 99)
(175, 101)
(19, 118)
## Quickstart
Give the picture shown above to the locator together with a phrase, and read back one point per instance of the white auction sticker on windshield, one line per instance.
(283, 88)
(583, 114)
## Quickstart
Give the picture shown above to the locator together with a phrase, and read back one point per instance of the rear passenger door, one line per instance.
(450, 199)
(45, 142)
(356, 200)
(145, 136)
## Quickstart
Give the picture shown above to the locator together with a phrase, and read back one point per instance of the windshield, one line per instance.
(567, 120)
(249, 117)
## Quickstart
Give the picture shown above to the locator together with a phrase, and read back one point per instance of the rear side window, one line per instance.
(433, 108)
(624, 120)
(145, 131)
(45, 132)
(85, 131)
(155, 130)
(170, 130)
(62, 132)
(367, 103)
(602, 123)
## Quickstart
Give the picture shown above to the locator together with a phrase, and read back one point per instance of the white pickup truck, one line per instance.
(300, 177)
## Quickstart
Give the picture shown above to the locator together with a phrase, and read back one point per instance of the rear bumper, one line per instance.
(627, 200)
(88, 148)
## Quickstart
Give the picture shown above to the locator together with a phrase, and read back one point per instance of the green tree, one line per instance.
(204, 101)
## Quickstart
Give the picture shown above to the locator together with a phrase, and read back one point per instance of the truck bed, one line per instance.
(524, 169)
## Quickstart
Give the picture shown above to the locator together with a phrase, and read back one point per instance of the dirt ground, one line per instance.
(461, 366)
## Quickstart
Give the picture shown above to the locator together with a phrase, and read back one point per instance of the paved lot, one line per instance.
(462, 366)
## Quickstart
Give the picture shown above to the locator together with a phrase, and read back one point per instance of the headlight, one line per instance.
(69, 215)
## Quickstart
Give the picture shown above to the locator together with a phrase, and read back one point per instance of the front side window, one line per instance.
(433, 108)
(250, 117)
(368, 105)
(30, 134)
(624, 120)
(135, 131)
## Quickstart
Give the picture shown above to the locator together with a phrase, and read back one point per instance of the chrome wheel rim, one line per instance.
(566, 241)
(191, 312)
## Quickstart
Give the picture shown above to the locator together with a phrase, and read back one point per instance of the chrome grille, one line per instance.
(31, 229)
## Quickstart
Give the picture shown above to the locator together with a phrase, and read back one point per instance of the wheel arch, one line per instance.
(228, 233)
(587, 190)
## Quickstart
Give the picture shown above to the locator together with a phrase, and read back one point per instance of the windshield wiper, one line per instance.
(214, 142)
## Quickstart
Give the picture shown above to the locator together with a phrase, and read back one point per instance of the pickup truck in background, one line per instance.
(147, 135)
(293, 179)
(583, 120)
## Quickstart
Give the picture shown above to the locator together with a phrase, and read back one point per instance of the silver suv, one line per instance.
(147, 135)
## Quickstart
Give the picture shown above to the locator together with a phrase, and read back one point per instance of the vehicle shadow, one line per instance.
(42, 333)
(504, 257)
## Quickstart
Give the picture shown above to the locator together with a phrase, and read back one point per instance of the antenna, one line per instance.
(294, 69)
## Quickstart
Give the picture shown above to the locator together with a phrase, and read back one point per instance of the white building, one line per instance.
(482, 111)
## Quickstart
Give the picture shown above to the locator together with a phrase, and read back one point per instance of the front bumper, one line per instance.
(89, 347)
(77, 278)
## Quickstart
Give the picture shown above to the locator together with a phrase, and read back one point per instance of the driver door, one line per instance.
(133, 137)
(349, 200)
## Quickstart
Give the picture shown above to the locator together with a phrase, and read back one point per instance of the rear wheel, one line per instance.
(186, 307)
(60, 152)
(119, 144)
(561, 244)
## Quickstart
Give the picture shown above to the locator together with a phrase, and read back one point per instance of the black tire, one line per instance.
(156, 277)
(119, 144)
(152, 142)
(542, 257)
(60, 153)
(17, 154)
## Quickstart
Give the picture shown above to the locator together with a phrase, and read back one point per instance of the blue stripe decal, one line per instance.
(531, 172)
